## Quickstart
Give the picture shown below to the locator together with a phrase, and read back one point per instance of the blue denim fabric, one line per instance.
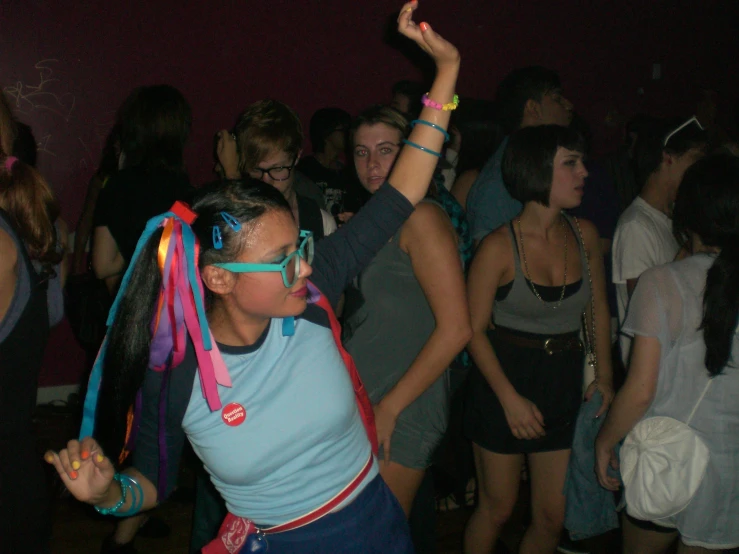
(590, 510)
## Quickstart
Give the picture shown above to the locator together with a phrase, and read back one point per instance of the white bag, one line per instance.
(663, 462)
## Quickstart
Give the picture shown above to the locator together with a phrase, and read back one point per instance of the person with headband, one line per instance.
(229, 307)
(27, 239)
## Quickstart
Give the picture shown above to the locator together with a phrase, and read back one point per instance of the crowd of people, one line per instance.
(318, 329)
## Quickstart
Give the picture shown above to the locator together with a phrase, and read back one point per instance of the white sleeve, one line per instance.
(633, 252)
(329, 224)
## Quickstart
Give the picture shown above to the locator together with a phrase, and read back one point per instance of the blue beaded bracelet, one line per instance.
(427, 150)
(433, 126)
(121, 502)
(137, 499)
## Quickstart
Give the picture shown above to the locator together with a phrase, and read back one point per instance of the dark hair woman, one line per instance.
(279, 431)
(532, 279)
(684, 317)
(153, 123)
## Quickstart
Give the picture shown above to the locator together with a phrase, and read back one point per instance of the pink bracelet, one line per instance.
(426, 101)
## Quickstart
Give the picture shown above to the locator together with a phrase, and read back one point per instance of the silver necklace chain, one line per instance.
(528, 275)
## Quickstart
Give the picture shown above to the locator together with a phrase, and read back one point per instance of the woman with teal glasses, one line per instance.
(223, 333)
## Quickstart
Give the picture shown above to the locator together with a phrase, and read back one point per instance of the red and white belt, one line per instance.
(235, 530)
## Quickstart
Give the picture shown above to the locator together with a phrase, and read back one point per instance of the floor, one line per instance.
(79, 529)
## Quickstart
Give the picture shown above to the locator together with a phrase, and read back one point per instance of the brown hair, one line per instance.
(265, 127)
(8, 127)
(30, 204)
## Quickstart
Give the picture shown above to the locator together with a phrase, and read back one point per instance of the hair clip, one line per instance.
(217, 238)
(232, 222)
(184, 212)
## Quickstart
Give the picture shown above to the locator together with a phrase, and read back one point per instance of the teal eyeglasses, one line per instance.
(289, 267)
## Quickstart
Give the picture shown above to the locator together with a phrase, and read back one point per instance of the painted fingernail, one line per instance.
(99, 458)
(73, 475)
(49, 457)
(424, 26)
(84, 454)
(76, 464)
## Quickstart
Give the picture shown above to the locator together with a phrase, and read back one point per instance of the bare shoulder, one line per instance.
(427, 219)
(496, 243)
(8, 252)
(590, 234)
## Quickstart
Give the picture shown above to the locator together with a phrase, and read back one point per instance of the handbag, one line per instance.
(663, 462)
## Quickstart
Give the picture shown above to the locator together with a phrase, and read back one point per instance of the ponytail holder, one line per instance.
(231, 221)
(184, 212)
(10, 162)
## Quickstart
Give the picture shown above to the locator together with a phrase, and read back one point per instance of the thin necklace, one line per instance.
(528, 275)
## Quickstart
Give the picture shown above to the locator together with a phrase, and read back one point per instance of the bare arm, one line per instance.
(602, 316)
(430, 241)
(107, 260)
(414, 168)
(630, 405)
(463, 184)
(8, 272)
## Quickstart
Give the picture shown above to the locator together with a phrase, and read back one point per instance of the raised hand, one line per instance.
(84, 470)
(442, 51)
(228, 154)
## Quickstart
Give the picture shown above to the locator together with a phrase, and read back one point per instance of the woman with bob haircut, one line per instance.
(528, 286)
(684, 316)
(222, 292)
(28, 211)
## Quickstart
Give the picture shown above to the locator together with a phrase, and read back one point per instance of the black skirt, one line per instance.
(552, 382)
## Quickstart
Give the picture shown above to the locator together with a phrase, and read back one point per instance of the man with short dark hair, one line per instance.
(526, 97)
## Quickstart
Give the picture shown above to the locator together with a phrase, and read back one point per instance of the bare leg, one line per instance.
(498, 480)
(403, 481)
(548, 470)
(643, 541)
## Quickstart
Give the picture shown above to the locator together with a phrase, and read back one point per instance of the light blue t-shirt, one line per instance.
(297, 390)
(489, 205)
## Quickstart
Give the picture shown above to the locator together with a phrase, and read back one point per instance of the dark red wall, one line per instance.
(225, 55)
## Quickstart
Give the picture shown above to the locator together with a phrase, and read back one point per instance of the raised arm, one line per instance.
(414, 168)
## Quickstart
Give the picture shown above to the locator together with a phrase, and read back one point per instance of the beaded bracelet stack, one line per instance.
(128, 485)
(426, 101)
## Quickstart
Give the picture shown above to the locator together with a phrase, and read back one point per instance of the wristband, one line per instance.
(433, 126)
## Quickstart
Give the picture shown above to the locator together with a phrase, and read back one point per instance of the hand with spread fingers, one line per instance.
(442, 51)
(84, 469)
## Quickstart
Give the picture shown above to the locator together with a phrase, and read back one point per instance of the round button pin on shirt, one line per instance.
(233, 414)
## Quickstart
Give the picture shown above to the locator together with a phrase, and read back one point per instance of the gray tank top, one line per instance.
(388, 324)
(522, 310)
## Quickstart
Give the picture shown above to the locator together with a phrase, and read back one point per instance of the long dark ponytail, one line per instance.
(129, 338)
(707, 205)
